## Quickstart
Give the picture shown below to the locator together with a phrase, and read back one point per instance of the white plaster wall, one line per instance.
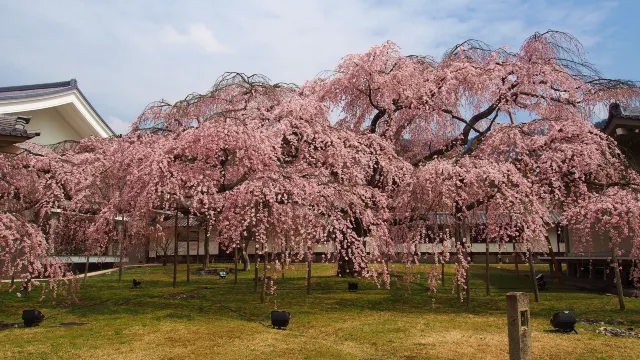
(53, 127)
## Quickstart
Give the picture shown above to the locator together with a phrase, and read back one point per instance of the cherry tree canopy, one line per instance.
(484, 136)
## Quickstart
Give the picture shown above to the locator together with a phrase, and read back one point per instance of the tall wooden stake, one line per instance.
(175, 249)
(198, 248)
(86, 269)
(235, 264)
(517, 256)
(309, 273)
(487, 278)
(188, 246)
(616, 266)
(532, 272)
(255, 275)
(205, 263)
(122, 247)
(264, 275)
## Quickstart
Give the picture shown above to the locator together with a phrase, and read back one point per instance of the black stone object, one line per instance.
(542, 284)
(564, 321)
(32, 317)
(280, 319)
(353, 286)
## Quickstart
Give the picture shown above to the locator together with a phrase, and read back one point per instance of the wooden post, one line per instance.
(235, 264)
(255, 275)
(264, 275)
(532, 272)
(86, 269)
(205, 263)
(198, 248)
(122, 247)
(614, 259)
(517, 255)
(188, 246)
(487, 279)
(309, 274)
(442, 271)
(175, 249)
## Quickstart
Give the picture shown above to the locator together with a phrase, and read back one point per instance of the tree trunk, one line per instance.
(346, 264)
(86, 269)
(188, 246)
(618, 279)
(532, 272)
(487, 278)
(442, 271)
(164, 259)
(467, 290)
(246, 264)
(175, 249)
(207, 251)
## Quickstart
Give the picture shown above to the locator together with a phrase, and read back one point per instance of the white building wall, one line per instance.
(53, 127)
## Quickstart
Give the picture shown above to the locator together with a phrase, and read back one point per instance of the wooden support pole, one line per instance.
(309, 276)
(517, 255)
(487, 278)
(442, 272)
(264, 275)
(198, 247)
(255, 276)
(532, 272)
(86, 269)
(175, 249)
(616, 266)
(207, 251)
(188, 246)
(235, 264)
(122, 247)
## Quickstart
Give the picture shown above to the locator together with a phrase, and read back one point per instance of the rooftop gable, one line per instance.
(16, 99)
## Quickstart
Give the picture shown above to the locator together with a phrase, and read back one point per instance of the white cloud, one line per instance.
(118, 125)
(197, 34)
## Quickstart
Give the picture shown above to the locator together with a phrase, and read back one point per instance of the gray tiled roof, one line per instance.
(27, 91)
(14, 126)
(625, 112)
(36, 90)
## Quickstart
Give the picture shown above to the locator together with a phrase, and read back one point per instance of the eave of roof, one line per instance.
(617, 111)
(44, 89)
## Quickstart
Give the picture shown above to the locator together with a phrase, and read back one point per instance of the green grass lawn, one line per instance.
(222, 320)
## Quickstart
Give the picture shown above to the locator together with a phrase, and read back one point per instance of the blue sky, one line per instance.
(126, 54)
